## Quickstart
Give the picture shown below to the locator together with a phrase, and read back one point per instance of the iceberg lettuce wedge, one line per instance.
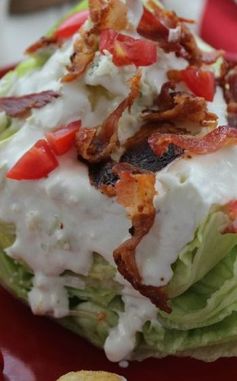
(198, 257)
(203, 289)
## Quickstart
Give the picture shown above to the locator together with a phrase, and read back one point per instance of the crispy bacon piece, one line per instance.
(84, 51)
(142, 156)
(168, 18)
(22, 105)
(103, 178)
(232, 114)
(190, 50)
(180, 107)
(152, 26)
(228, 81)
(42, 43)
(96, 144)
(108, 14)
(219, 138)
(135, 191)
(157, 25)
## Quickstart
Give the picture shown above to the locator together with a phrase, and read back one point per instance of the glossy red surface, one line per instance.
(37, 349)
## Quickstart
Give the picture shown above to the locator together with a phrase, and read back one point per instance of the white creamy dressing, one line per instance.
(186, 191)
(61, 220)
(122, 339)
(135, 12)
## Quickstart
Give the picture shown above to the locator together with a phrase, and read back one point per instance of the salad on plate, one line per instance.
(118, 212)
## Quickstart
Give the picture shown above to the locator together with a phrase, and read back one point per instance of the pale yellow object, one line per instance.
(85, 375)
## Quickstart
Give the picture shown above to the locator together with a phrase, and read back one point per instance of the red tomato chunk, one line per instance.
(200, 82)
(62, 139)
(127, 50)
(35, 164)
(71, 25)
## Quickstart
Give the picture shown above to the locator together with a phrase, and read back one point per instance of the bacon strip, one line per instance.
(180, 107)
(96, 144)
(104, 14)
(228, 81)
(108, 14)
(84, 51)
(219, 138)
(22, 105)
(156, 26)
(42, 43)
(135, 191)
(153, 27)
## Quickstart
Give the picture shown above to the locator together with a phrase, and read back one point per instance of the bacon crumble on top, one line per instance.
(157, 24)
(135, 191)
(228, 81)
(21, 106)
(43, 43)
(96, 144)
(180, 106)
(218, 138)
(84, 53)
(108, 14)
(103, 15)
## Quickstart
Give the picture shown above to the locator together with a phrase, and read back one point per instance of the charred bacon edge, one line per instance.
(20, 106)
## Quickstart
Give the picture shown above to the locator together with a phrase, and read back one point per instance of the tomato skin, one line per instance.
(71, 25)
(128, 50)
(35, 164)
(139, 52)
(62, 139)
(200, 82)
(107, 38)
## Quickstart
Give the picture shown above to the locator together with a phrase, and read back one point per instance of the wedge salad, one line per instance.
(118, 185)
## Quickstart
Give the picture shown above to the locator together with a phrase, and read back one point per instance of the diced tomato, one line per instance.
(200, 82)
(128, 50)
(35, 164)
(63, 138)
(107, 38)
(71, 25)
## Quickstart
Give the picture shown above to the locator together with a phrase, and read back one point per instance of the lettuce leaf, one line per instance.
(208, 301)
(158, 341)
(95, 309)
(13, 275)
(93, 321)
(198, 257)
(100, 288)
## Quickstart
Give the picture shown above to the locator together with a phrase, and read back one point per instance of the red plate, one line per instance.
(37, 349)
